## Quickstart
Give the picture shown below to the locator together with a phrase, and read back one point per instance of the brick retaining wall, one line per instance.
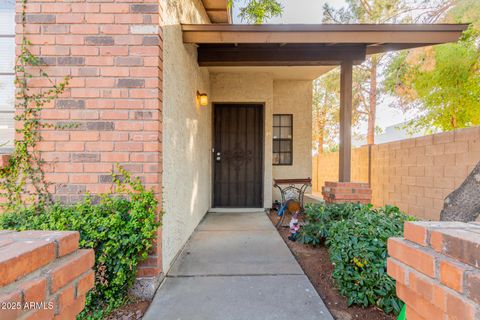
(43, 275)
(340, 192)
(437, 270)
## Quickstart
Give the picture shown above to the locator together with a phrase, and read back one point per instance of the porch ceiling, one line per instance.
(307, 45)
(279, 73)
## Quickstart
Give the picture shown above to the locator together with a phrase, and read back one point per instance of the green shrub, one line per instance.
(356, 236)
(119, 228)
(319, 217)
(358, 251)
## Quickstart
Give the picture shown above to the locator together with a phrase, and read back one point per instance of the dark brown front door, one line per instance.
(238, 156)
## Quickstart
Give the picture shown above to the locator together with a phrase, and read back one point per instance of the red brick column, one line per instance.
(340, 192)
(437, 269)
(112, 50)
(43, 275)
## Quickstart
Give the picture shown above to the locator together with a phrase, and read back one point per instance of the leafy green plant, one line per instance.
(356, 236)
(120, 229)
(358, 251)
(319, 217)
(258, 11)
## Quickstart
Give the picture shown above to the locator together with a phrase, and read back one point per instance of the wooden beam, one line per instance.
(218, 11)
(386, 47)
(419, 35)
(278, 55)
(346, 78)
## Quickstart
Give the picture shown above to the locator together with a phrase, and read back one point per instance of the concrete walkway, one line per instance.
(236, 267)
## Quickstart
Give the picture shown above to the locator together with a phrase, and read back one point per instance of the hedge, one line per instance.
(120, 229)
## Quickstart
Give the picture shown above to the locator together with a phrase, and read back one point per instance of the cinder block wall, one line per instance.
(414, 174)
(43, 275)
(436, 268)
(112, 50)
(325, 167)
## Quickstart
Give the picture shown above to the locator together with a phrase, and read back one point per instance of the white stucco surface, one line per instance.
(186, 131)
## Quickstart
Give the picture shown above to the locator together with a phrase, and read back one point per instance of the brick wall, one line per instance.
(112, 51)
(436, 268)
(341, 192)
(43, 275)
(414, 174)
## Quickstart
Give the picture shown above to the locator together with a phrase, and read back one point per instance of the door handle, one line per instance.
(218, 157)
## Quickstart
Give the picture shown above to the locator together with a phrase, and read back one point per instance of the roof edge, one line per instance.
(326, 27)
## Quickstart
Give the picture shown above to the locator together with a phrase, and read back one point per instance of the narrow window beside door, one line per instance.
(282, 139)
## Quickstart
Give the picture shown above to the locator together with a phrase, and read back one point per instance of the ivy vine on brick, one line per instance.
(23, 181)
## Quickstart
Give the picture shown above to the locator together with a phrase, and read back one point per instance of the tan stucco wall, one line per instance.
(187, 127)
(295, 97)
(414, 174)
(279, 96)
(249, 87)
(186, 131)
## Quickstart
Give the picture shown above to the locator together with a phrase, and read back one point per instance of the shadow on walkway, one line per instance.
(236, 267)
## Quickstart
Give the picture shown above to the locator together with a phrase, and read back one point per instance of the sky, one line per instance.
(310, 11)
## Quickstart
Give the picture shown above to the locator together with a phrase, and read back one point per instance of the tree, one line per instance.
(463, 204)
(325, 111)
(366, 83)
(443, 82)
(258, 11)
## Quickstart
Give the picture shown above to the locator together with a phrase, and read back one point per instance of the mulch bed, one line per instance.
(133, 310)
(315, 262)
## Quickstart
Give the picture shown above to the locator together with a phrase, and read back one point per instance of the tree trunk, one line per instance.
(372, 112)
(321, 141)
(463, 204)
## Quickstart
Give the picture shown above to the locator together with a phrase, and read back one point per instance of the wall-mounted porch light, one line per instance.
(202, 99)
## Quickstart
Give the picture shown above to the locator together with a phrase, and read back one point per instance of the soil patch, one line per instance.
(133, 310)
(316, 264)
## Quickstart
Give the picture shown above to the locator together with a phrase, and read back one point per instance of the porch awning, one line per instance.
(315, 44)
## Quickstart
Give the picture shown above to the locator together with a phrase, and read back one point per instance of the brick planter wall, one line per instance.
(112, 50)
(340, 192)
(437, 269)
(43, 275)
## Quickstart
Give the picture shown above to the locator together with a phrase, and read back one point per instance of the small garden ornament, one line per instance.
(294, 227)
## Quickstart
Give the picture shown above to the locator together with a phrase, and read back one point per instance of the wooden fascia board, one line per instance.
(325, 37)
(324, 27)
(323, 33)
